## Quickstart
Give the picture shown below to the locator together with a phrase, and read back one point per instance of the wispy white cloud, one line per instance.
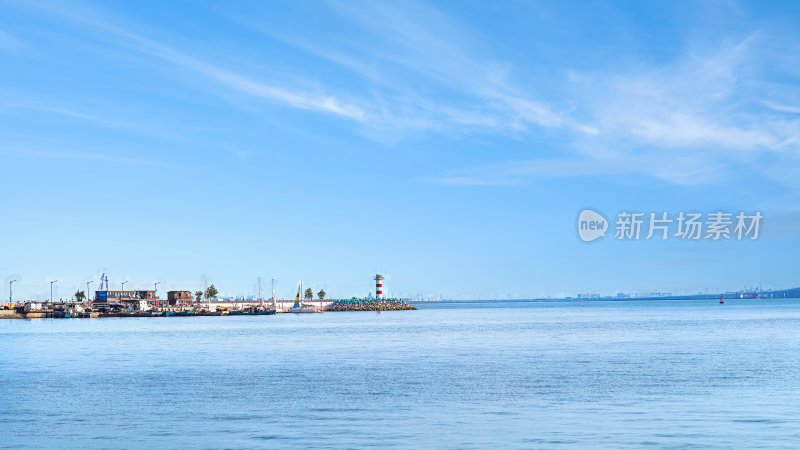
(775, 106)
(322, 103)
(420, 71)
(684, 129)
(68, 112)
(101, 118)
(110, 157)
(685, 122)
(483, 179)
(225, 77)
(415, 41)
(682, 170)
(688, 103)
(9, 43)
(480, 99)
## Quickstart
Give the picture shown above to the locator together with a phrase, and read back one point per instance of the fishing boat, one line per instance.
(299, 308)
(262, 309)
(252, 311)
(259, 309)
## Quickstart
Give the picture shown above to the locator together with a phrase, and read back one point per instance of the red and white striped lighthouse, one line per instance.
(378, 286)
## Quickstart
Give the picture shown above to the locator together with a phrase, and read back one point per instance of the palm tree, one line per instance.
(321, 294)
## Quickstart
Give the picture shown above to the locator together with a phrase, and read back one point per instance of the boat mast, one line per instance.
(273, 294)
(260, 301)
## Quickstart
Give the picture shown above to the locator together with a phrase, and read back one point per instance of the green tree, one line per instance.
(321, 294)
(198, 296)
(211, 292)
(309, 294)
(80, 296)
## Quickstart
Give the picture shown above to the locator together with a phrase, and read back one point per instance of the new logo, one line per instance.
(591, 225)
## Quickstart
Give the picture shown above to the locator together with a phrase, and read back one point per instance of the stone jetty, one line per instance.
(369, 305)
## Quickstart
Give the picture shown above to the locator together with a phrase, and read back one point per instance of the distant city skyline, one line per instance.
(284, 292)
(450, 146)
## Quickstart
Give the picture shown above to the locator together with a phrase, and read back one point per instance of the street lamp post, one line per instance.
(87, 291)
(51, 290)
(155, 293)
(123, 285)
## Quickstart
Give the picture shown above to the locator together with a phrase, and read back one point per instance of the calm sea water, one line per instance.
(520, 375)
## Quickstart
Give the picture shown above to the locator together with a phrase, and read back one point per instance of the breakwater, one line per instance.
(369, 305)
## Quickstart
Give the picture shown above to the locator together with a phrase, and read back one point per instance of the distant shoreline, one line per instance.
(602, 299)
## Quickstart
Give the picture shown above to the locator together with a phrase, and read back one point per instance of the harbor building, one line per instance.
(180, 298)
(135, 300)
(120, 296)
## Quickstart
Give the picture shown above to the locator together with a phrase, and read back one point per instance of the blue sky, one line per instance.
(449, 145)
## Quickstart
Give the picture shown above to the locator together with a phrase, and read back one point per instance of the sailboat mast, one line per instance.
(273, 292)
